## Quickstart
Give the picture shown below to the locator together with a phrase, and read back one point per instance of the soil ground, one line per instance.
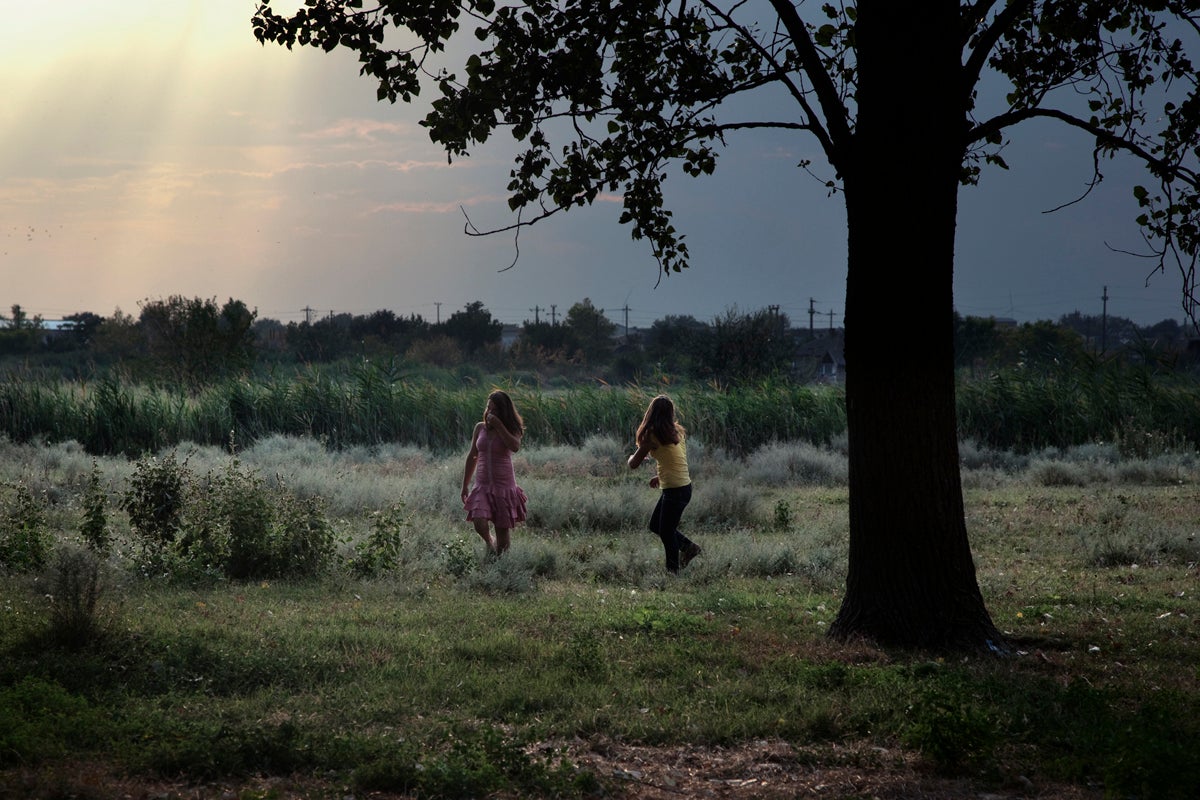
(754, 771)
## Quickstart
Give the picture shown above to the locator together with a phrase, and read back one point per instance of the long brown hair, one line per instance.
(506, 411)
(659, 425)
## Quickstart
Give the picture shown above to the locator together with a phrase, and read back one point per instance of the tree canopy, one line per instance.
(906, 102)
(606, 95)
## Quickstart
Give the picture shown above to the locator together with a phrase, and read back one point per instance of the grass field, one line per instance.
(574, 667)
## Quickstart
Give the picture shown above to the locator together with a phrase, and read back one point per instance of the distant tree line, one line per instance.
(984, 343)
(194, 341)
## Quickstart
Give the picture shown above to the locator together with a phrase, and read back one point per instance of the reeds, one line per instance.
(372, 404)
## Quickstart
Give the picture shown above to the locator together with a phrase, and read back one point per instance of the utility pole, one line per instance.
(439, 312)
(308, 312)
(626, 310)
(536, 318)
(1104, 324)
(830, 321)
(811, 311)
(553, 318)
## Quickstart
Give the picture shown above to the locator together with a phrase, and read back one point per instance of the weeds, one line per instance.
(75, 594)
(154, 500)
(94, 528)
(25, 542)
(460, 559)
(431, 668)
(382, 550)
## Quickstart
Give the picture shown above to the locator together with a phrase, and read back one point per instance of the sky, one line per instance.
(151, 148)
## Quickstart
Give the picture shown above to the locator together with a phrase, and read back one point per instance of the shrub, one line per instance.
(787, 464)
(723, 502)
(41, 719)
(251, 530)
(460, 560)
(74, 596)
(783, 515)
(231, 524)
(245, 511)
(154, 500)
(24, 540)
(951, 733)
(303, 536)
(381, 551)
(94, 528)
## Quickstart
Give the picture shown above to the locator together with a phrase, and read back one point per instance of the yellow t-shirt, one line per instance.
(671, 460)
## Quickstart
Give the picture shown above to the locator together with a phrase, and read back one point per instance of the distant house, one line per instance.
(821, 357)
(47, 329)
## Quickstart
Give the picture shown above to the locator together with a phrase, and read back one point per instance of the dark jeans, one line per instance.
(665, 522)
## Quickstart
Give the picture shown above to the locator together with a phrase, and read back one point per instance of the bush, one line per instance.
(952, 733)
(789, 464)
(41, 722)
(244, 513)
(303, 536)
(94, 528)
(24, 540)
(74, 596)
(231, 524)
(154, 500)
(382, 550)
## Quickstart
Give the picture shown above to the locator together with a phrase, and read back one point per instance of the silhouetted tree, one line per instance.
(975, 340)
(603, 97)
(679, 344)
(542, 344)
(21, 335)
(751, 346)
(118, 338)
(82, 327)
(194, 340)
(1042, 345)
(590, 331)
(472, 327)
(326, 339)
(383, 331)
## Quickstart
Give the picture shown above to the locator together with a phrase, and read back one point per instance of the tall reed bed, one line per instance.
(1029, 410)
(370, 404)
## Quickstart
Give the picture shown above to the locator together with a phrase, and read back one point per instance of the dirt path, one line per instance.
(753, 771)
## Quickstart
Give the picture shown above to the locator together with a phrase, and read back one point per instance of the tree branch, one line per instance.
(1104, 138)
(779, 72)
(838, 139)
(989, 37)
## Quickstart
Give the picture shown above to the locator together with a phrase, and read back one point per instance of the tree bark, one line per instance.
(911, 579)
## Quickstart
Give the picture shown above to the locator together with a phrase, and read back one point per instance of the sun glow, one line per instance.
(155, 145)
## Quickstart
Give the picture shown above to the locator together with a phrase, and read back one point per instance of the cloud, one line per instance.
(363, 129)
(433, 207)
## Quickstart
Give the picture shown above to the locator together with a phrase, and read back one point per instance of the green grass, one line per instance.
(452, 676)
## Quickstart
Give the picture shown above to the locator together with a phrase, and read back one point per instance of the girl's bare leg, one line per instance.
(503, 538)
(481, 527)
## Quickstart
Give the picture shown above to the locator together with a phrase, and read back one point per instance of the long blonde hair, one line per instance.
(659, 426)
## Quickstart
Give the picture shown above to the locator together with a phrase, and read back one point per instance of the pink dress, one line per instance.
(495, 495)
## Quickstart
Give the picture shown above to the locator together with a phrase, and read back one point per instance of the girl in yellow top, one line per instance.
(662, 438)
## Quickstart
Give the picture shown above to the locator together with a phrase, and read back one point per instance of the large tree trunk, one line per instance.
(911, 579)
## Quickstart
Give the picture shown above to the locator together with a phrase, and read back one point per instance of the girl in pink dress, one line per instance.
(495, 496)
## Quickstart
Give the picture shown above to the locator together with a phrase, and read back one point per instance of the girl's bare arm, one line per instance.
(511, 440)
(472, 458)
(639, 456)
